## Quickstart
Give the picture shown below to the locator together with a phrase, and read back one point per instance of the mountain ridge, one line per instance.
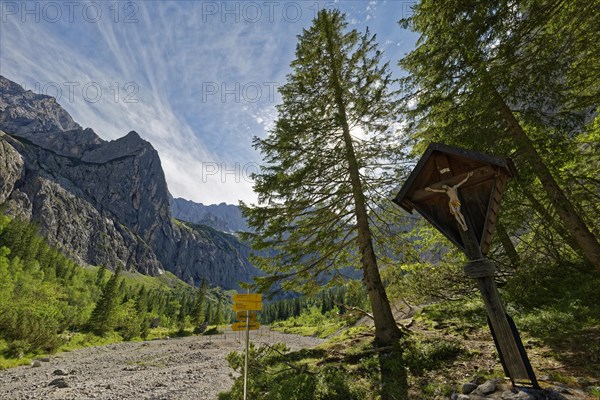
(102, 202)
(224, 217)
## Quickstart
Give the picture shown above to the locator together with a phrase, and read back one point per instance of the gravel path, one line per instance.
(178, 369)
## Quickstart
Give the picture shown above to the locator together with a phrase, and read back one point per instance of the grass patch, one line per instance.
(163, 333)
(10, 362)
(166, 281)
(70, 342)
(460, 316)
(316, 331)
(312, 322)
(6, 363)
(558, 377)
(80, 340)
(352, 333)
(160, 333)
(560, 306)
(427, 354)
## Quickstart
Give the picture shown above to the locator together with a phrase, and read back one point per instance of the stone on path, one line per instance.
(60, 372)
(519, 395)
(59, 383)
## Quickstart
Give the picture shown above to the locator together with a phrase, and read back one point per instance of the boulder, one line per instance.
(468, 387)
(487, 387)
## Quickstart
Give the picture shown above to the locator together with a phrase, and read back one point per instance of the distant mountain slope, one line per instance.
(224, 217)
(102, 202)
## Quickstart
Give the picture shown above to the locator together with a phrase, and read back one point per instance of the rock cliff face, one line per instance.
(103, 203)
(223, 217)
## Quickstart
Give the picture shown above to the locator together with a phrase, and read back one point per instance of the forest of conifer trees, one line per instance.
(45, 297)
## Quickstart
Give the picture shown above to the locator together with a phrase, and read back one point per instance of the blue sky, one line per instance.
(198, 79)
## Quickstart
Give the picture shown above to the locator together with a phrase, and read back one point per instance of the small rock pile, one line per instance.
(60, 383)
(480, 389)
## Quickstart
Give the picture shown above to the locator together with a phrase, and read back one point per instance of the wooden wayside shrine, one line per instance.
(458, 191)
(480, 194)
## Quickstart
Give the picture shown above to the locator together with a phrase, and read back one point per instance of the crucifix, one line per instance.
(454, 202)
(458, 191)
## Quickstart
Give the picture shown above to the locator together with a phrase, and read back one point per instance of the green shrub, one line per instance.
(200, 329)
(212, 331)
(17, 349)
(31, 324)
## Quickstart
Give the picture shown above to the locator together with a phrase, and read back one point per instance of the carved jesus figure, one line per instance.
(454, 202)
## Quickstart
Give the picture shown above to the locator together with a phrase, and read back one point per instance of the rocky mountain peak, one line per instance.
(23, 111)
(128, 145)
(104, 202)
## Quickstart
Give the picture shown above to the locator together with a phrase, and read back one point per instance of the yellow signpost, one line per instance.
(246, 315)
(247, 298)
(242, 326)
(245, 305)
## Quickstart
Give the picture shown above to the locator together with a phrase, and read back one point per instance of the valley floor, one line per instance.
(180, 368)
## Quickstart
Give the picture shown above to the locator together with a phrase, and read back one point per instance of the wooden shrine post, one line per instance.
(458, 191)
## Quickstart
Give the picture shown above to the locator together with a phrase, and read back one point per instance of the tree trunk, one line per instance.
(386, 330)
(587, 243)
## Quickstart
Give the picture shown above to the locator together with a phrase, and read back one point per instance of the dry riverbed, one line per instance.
(178, 369)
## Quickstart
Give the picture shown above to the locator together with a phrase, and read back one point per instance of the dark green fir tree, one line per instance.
(327, 162)
(101, 320)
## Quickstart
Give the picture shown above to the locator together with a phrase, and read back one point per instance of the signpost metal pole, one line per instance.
(244, 303)
(246, 358)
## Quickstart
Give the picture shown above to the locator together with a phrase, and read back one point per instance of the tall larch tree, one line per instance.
(326, 163)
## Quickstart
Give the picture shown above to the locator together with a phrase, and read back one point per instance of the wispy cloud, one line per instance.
(196, 79)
